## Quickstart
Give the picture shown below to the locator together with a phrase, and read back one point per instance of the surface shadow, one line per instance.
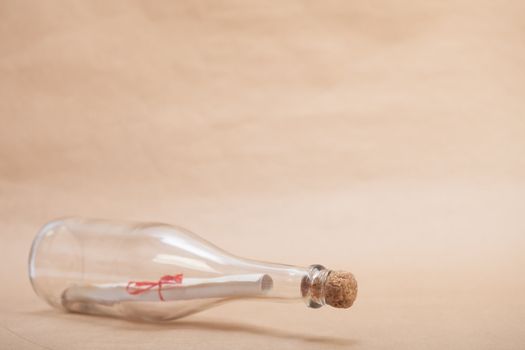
(215, 325)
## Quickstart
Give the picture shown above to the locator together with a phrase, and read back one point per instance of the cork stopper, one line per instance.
(340, 289)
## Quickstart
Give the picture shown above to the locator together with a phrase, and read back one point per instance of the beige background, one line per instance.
(383, 137)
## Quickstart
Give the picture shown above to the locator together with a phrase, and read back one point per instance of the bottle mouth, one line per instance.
(312, 284)
(322, 286)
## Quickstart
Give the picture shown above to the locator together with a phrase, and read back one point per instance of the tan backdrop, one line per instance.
(383, 137)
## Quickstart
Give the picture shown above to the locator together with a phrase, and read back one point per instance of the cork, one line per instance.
(340, 289)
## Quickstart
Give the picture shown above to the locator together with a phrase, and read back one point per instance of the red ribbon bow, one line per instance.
(136, 288)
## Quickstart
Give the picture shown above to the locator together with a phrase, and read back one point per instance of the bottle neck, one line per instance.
(313, 286)
(294, 283)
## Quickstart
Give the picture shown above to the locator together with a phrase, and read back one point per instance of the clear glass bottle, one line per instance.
(159, 272)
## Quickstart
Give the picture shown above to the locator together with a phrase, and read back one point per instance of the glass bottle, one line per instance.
(159, 272)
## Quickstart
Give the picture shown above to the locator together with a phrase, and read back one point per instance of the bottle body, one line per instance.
(151, 271)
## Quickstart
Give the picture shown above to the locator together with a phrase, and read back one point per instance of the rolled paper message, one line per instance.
(188, 288)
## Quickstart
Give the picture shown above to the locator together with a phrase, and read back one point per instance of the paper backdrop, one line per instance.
(382, 137)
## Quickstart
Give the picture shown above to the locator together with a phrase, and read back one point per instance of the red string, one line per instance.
(136, 288)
